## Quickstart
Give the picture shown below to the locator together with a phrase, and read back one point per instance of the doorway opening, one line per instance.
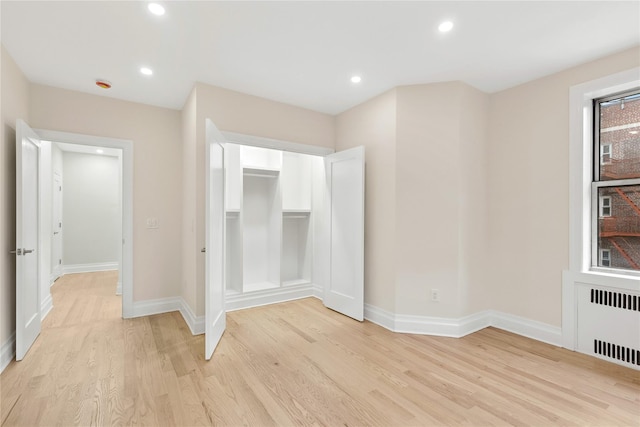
(93, 216)
(86, 216)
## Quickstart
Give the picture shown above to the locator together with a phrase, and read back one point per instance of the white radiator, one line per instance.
(608, 324)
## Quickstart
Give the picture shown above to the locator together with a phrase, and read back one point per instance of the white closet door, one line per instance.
(215, 316)
(28, 315)
(344, 289)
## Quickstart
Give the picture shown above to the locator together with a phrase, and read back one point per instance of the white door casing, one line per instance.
(56, 227)
(28, 309)
(125, 256)
(215, 228)
(344, 287)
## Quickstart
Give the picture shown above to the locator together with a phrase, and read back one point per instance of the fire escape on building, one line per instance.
(618, 229)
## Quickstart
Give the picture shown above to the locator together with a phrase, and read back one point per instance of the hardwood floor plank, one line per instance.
(295, 363)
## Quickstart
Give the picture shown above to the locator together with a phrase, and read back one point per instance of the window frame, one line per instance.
(597, 211)
(582, 189)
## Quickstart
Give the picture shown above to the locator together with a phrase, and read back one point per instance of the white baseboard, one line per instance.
(318, 292)
(46, 306)
(195, 323)
(526, 327)
(167, 305)
(456, 328)
(268, 296)
(55, 275)
(89, 268)
(7, 352)
(156, 306)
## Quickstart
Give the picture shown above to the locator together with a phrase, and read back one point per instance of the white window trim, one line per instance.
(581, 160)
(580, 196)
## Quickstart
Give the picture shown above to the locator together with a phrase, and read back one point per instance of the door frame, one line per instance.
(126, 263)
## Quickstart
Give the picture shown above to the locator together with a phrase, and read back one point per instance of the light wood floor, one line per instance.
(295, 363)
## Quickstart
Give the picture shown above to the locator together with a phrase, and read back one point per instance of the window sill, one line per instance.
(606, 278)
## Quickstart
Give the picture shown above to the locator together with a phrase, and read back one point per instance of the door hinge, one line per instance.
(59, 261)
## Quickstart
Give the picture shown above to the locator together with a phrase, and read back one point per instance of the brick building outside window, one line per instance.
(616, 174)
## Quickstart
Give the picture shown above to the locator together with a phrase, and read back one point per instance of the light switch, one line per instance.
(152, 223)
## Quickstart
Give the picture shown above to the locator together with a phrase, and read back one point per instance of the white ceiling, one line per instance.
(304, 53)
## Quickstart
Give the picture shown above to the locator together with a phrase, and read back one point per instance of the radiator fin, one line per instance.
(619, 352)
(615, 299)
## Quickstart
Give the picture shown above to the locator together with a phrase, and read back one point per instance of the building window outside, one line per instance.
(605, 206)
(605, 257)
(616, 182)
(605, 154)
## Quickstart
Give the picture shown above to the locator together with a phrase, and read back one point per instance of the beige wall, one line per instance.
(14, 88)
(440, 198)
(190, 251)
(426, 210)
(157, 187)
(246, 114)
(529, 189)
(473, 213)
(427, 185)
(373, 124)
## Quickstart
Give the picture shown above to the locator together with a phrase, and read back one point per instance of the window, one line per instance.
(605, 154)
(605, 206)
(615, 187)
(605, 257)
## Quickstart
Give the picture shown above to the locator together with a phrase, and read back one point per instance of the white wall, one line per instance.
(91, 209)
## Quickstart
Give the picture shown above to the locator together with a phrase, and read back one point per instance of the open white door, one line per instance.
(28, 319)
(344, 289)
(215, 316)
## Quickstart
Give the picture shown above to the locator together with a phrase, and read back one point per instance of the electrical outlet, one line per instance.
(435, 295)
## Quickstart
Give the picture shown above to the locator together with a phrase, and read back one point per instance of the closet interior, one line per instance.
(273, 207)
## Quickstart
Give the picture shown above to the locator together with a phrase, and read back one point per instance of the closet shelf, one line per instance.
(296, 213)
(233, 214)
(260, 286)
(296, 282)
(261, 172)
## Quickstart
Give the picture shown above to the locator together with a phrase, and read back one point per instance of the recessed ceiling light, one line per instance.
(156, 9)
(99, 151)
(146, 71)
(445, 26)
(356, 79)
(633, 132)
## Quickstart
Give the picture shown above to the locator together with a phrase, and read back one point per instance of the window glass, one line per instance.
(619, 227)
(619, 137)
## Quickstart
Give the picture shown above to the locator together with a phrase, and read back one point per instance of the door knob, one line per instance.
(27, 251)
(17, 252)
(203, 250)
